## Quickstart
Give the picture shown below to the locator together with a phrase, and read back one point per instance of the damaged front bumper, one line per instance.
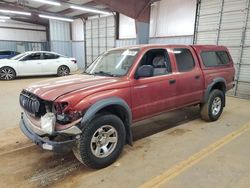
(48, 142)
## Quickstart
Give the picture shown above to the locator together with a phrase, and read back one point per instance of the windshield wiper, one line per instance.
(104, 73)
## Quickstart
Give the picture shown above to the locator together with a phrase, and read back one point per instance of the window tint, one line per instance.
(216, 58)
(34, 56)
(159, 59)
(50, 56)
(184, 59)
(5, 52)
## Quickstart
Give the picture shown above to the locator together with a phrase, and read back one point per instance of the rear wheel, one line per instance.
(7, 73)
(63, 71)
(101, 142)
(212, 109)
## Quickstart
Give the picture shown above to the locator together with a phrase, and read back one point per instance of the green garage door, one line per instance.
(227, 22)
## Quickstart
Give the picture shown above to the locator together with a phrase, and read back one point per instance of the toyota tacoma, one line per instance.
(92, 113)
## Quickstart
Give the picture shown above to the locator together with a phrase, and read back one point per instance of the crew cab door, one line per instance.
(30, 64)
(152, 95)
(189, 79)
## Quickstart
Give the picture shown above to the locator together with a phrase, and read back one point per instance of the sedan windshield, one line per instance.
(113, 63)
(17, 57)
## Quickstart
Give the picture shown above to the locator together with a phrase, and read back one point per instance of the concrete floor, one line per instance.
(172, 150)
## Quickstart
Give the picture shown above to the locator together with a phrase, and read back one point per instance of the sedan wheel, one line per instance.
(63, 71)
(7, 73)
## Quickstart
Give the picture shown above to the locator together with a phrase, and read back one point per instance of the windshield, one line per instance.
(113, 63)
(17, 57)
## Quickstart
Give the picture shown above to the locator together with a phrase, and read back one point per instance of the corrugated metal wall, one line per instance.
(60, 37)
(23, 46)
(100, 36)
(158, 40)
(61, 42)
(22, 31)
(227, 22)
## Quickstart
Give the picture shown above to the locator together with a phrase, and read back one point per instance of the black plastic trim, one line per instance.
(91, 112)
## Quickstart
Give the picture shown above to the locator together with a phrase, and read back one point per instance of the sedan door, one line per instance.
(30, 65)
(50, 63)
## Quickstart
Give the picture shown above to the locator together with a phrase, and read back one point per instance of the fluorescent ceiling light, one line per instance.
(56, 18)
(2, 21)
(87, 9)
(5, 17)
(15, 12)
(48, 2)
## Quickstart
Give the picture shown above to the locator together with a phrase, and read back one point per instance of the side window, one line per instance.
(184, 59)
(215, 58)
(50, 56)
(34, 56)
(159, 60)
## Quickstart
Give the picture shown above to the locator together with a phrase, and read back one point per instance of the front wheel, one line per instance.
(212, 109)
(101, 142)
(7, 73)
(63, 71)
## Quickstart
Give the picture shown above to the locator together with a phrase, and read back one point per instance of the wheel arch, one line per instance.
(116, 106)
(218, 83)
(64, 65)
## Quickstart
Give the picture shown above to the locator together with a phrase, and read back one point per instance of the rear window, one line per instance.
(215, 58)
(50, 56)
(184, 59)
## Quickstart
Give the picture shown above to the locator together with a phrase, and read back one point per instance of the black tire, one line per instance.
(63, 70)
(209, 112)
(83, 149)
(7, 73)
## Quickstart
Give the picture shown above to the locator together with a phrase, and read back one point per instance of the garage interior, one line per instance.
(175, 149)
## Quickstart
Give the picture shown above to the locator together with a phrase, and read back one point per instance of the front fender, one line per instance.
(101, 104)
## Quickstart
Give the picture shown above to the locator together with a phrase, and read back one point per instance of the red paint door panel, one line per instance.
(152, 95)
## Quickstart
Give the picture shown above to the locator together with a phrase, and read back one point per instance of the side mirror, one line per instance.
(144, 71)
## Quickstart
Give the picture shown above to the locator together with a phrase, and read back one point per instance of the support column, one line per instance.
(136, 9)
(142, 32)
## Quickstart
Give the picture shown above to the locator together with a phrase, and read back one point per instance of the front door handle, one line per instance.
(172, 81)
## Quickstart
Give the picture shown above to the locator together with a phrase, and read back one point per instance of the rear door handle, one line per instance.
(197, 77)
(172, 81)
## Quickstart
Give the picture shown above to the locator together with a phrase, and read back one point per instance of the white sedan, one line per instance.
(36, 63)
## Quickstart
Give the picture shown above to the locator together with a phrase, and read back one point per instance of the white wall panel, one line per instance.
(126, 27)
(172, 18)
(21, 31)
(59, 30)
(77, 30)
(167, 18)
(22, 35)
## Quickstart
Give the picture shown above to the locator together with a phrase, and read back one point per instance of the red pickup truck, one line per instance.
(92, 113)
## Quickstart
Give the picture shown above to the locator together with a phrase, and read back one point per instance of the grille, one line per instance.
(29, 102)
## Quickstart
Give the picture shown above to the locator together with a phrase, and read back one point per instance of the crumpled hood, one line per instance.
(53, 88)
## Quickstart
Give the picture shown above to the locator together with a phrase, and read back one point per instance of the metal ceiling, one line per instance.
(40, 8)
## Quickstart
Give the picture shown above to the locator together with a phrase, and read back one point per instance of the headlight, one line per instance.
(48, 123)
(60, 107)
